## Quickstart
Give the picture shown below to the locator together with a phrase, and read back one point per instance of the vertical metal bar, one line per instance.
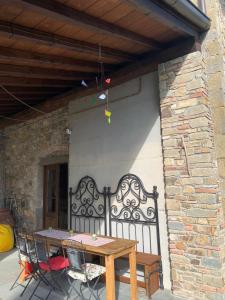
(109, 194)
(143, 240)
(150, 238)
(70, 206)
(155, 197)
(105, 215)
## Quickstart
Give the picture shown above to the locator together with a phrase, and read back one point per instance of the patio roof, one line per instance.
(48, 47)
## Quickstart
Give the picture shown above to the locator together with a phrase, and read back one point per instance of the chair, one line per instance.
(55, 266)
(27, 260)
(87, 274)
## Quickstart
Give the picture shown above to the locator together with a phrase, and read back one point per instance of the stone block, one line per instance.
(196, 110)
(199, 122)
(173, 190)
(175, 225)
(201, 135)
(204, 157)
(201, 213)
(173, 204)
(213, 263)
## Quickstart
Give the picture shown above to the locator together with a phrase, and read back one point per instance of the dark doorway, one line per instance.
(56, 196)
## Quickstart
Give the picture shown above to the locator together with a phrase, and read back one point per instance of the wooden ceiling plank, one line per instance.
(131, 71)
(35, 72)
(26, 57)
(40, 37)
(61, 12)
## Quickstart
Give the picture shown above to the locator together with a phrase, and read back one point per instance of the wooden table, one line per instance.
(111, 251)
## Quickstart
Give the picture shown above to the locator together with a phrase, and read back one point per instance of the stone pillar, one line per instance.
(193, 199)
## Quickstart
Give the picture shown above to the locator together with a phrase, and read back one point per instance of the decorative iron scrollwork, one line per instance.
(130, 202)
(87, 201)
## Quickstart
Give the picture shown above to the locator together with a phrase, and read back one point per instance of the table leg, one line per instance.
(110, 278)
(133, 274)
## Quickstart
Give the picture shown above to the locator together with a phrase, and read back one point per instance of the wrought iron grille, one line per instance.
(133, 213)
(88, 207)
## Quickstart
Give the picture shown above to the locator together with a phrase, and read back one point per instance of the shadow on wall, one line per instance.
(132, 142)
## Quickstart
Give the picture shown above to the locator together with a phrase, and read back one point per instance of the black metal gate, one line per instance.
(130, 212)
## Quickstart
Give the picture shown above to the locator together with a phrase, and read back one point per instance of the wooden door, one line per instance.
(51, 196)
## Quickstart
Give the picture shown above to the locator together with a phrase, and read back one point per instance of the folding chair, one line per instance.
(54, 266)
(87, 274)
(27, 260)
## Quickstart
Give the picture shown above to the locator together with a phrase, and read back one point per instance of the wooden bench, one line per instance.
(152, 272)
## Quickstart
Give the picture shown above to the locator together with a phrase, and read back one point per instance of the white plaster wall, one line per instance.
(131, 144)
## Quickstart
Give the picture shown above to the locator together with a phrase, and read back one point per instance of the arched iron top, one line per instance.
(89, 183)
(87, 201)
(132, 203)
(131, 179)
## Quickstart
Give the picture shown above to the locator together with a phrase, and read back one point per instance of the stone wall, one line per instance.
(2, 169)
(28, 147)
(193, 195)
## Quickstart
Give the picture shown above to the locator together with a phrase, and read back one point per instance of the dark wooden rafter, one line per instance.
(6, 98)
(35, 72)
(44, 38)
(28, 90)
(143, 66)
(156, 9)
(36, 82)
(12, 56)
(61, 12)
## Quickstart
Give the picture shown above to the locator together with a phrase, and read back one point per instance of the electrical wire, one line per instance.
(17, 99)
(13, 119)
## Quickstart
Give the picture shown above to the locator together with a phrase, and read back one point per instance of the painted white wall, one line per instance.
(131, 144)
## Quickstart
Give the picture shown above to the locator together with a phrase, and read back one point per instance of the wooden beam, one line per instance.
(145, 65)
(35, 72)
(27, 34)
(35, 82)
(156, 9)
(14, 56)
(27, 90)
(7, 99)
(68, 15)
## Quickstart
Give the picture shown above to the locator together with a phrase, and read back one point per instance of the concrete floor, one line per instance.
(9, 269)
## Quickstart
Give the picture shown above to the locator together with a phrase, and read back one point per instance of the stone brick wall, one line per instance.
(28, 147)
(213, 52)
(193, 196)
(2, 170)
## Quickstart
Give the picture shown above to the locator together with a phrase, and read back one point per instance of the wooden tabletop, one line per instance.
(118, 245)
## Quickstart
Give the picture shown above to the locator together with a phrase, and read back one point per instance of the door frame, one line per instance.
(45, 190)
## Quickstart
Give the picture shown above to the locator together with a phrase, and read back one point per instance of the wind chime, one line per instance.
(102, 84)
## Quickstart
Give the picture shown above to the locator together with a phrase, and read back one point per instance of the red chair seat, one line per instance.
(54, 264)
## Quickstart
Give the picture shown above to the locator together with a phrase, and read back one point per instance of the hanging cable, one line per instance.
(13, 119)
(17, 99)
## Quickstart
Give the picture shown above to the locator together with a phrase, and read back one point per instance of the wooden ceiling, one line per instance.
(48, 47)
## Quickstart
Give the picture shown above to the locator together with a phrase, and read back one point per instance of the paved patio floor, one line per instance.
(9, 269)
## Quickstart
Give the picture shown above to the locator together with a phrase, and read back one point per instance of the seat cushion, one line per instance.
(54, 264)
(92, 271)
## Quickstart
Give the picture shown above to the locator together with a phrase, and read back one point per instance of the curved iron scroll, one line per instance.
(87, 201)
(133, 200)
(132, 204)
